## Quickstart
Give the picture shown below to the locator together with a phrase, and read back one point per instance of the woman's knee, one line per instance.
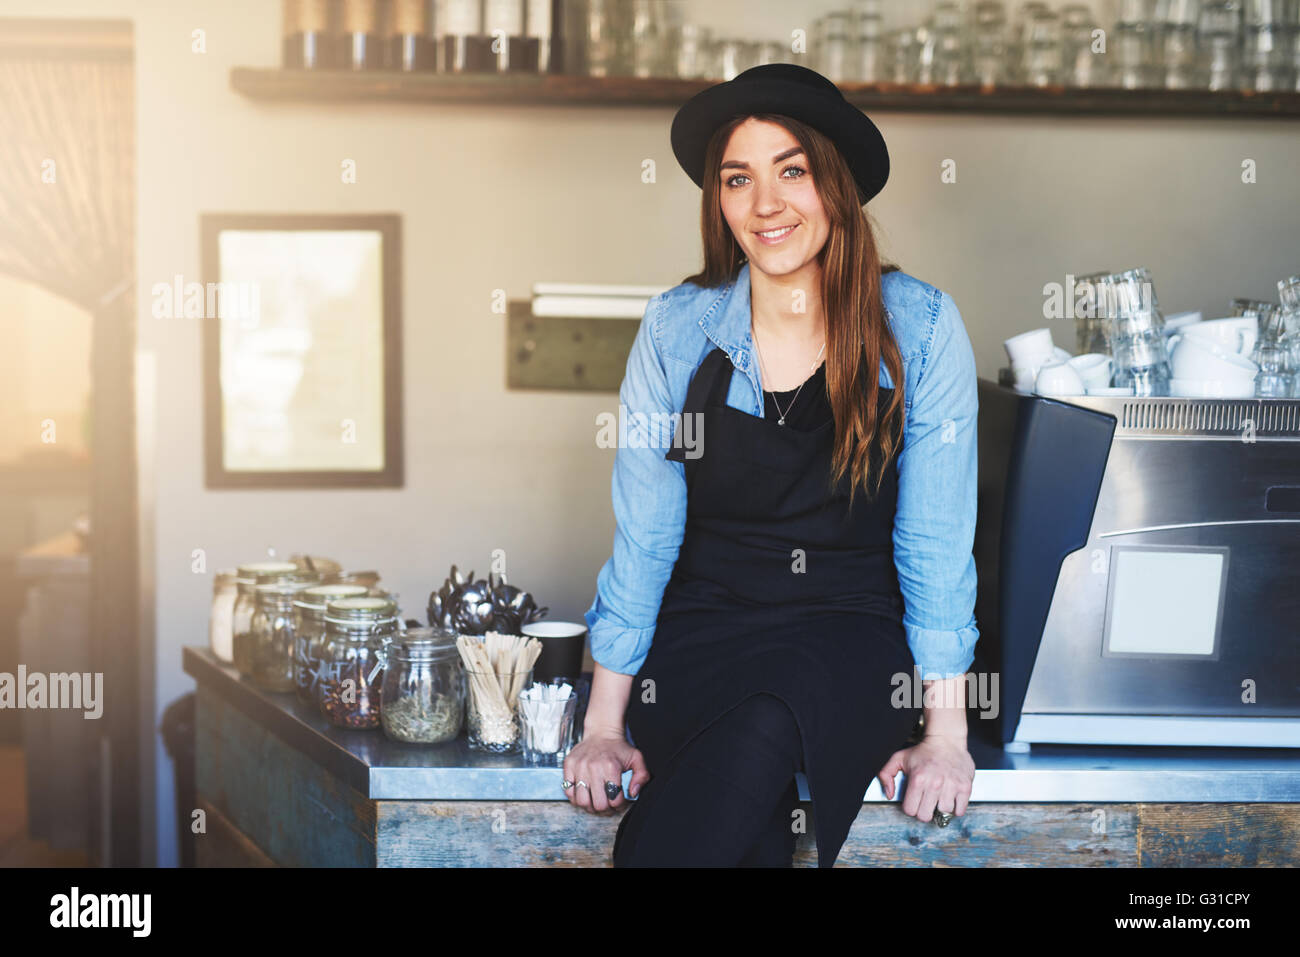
(768, 721)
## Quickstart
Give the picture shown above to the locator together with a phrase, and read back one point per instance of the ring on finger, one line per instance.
(566, 784)
(613, 789)
(583, 784)
(942, 818)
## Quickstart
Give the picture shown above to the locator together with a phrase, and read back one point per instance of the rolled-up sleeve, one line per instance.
(934, 526)
(648, 493)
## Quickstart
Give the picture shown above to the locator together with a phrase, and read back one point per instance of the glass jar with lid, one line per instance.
(352, 658)
(309, 630)
(247, 577)
(423, 693)
(271, 644)
(221, 616)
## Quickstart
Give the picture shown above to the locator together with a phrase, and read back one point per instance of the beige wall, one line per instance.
(501, 197)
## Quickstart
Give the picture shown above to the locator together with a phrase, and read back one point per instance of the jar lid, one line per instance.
(367, 608)
(317, 596)
(427, 643)
(281, 588)
(252, 569)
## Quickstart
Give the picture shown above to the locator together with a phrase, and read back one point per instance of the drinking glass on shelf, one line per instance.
(948, 62)
(771, 52)
(1219, 39)
(1082, 67)
(1133, 56)
(1019, 37)
(735, 57)
(602, 40)
(1263, 53)
(647, 39)
(1291, 42)
(1178, 44)
(990, 47)
(872, 50)
(903, 44)
(1043, 52)
(834, 52)
(691, 58)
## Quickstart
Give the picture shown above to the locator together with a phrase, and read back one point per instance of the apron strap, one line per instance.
(705, 384)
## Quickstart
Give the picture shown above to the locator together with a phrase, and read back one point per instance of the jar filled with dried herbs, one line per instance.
(352, 658)
(247, 577)
(309, 632)
(423, 700)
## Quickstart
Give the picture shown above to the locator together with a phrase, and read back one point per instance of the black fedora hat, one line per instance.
(790, 90)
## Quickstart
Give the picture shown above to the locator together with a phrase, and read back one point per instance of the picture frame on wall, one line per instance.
(302, 373)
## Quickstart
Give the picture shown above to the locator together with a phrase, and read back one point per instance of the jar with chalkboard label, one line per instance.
(423, 694)
(309, 632)
(358, 632)
(247, 577)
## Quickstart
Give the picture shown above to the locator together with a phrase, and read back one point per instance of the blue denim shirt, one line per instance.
(934, 524)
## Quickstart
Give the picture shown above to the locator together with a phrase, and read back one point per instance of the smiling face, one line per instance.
(768, 199)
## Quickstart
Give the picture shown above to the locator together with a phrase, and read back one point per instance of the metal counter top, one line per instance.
(389, 771)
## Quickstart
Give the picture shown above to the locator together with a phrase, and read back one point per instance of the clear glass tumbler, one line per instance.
(492, 709)
(546, 721)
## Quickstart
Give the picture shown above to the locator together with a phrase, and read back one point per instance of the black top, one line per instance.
(811, 410)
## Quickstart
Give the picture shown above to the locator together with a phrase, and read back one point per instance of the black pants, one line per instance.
(727, 798)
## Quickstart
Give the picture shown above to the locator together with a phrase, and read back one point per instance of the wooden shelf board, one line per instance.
(329, 86)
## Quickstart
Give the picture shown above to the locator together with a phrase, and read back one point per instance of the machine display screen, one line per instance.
(1165, 601)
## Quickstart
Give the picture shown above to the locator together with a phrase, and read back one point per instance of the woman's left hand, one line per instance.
(940, 772)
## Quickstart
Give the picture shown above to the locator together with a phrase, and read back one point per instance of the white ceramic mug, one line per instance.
(1058, 378)
(1094, 369)
(1031, 349)
(1237, 334)
(1202, 359)
(1179, 320)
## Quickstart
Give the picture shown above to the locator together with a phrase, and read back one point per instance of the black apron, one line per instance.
(745, 613)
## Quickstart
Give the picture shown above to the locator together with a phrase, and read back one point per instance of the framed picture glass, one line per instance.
(302, 350)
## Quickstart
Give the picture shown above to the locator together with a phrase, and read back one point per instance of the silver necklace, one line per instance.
(763, 368)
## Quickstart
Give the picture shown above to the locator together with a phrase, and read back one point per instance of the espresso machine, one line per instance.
(1139, 569)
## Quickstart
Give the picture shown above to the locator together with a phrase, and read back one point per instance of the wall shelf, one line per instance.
(333, 86)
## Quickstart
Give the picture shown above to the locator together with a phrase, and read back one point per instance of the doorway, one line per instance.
(72, 788)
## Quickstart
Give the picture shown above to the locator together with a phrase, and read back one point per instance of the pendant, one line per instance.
(781, 421)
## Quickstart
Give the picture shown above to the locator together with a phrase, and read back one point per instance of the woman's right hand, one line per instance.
(602, 755)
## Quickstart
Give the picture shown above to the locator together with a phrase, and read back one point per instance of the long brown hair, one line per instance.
(858, 336)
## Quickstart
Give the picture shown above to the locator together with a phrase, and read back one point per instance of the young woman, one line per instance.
(801, 554)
